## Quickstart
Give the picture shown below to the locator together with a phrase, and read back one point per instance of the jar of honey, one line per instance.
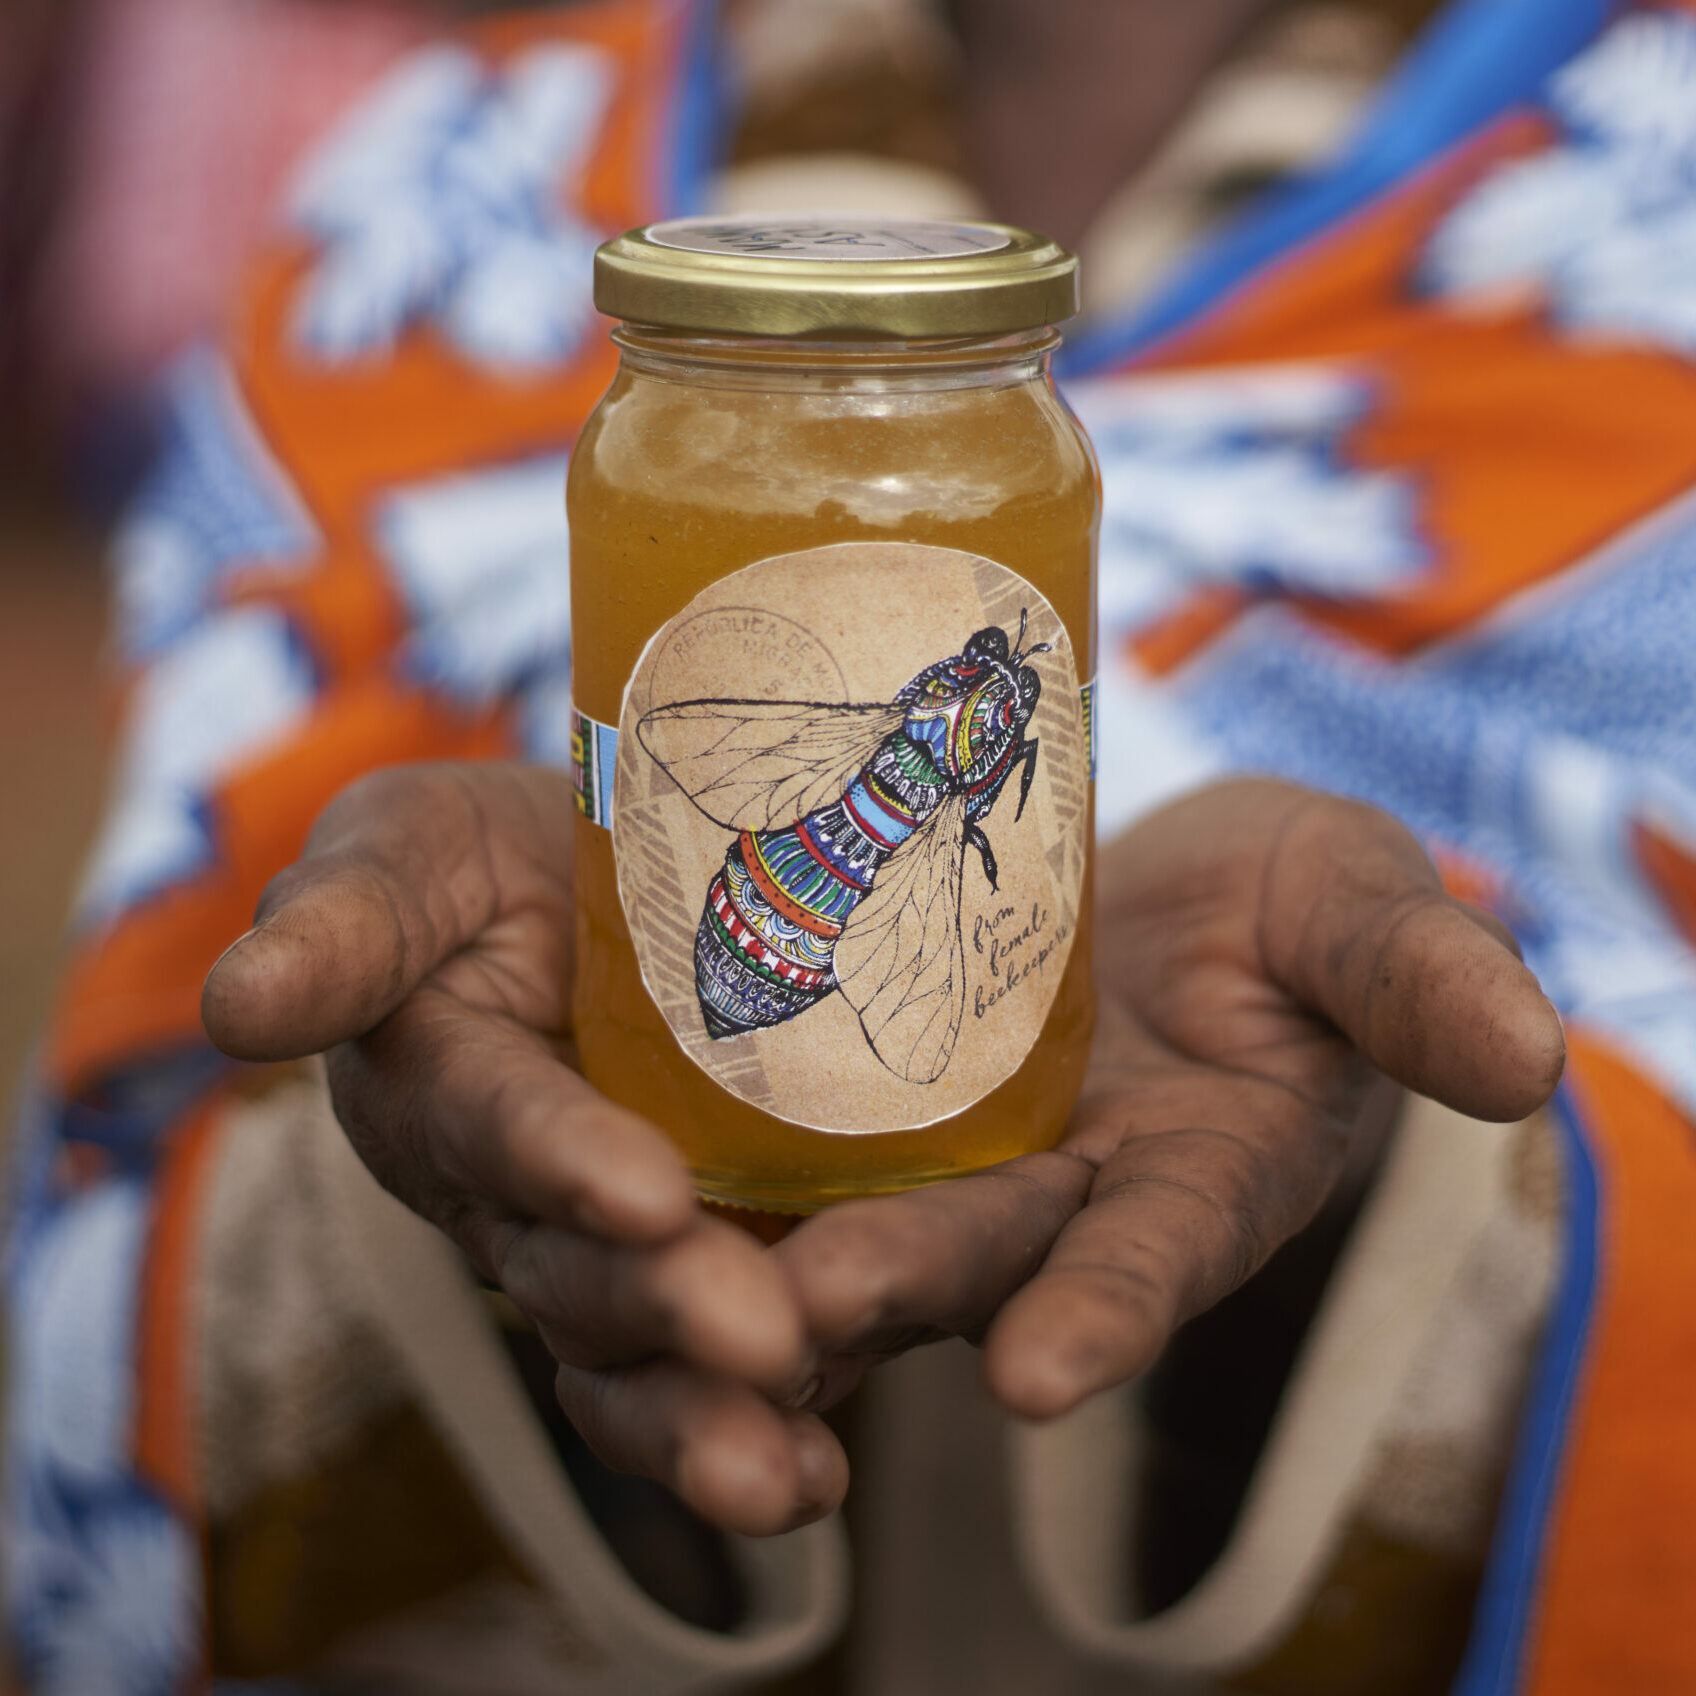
(833, 625)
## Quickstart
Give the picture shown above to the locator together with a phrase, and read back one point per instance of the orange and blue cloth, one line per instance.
(1400, 483)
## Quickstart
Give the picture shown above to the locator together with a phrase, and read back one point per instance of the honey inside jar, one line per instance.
(714, 451)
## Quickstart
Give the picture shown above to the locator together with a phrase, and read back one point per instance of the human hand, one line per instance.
(1265, 956)
(424, 939)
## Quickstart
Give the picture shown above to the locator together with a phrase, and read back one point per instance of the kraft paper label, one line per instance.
(849, 814)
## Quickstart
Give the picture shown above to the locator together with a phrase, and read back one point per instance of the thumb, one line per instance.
(395, 879)
(1356, 924)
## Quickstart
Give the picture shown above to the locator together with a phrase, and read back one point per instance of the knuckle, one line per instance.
(371, 795)
(525, 1270)
(381, 1101)
(587, 1399)
(1044, 1198)
(1220, 1177)
(527, 1123)
(867, 1254)
(680, 1271)
(1136, 1284)
(627, 1417)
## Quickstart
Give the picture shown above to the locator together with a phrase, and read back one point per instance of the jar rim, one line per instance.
(840, 278)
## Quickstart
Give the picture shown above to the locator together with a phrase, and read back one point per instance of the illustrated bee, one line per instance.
(852, 826)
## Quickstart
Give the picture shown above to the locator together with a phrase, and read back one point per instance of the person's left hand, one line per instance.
(1265, 956)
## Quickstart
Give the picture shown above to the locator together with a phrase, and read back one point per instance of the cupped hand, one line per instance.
(1265, 957)
(424, 941)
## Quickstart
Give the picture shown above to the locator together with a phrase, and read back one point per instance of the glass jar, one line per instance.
(833, 608)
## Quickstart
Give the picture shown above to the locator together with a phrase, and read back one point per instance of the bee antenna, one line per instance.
(1019, 642)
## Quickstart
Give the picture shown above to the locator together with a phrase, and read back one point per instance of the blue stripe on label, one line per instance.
(594, 758)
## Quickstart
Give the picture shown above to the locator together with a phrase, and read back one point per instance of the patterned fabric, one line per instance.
(352, 551)
(1400, 500)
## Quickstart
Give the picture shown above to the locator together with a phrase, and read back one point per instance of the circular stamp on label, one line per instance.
(774, 653)
(850, 820)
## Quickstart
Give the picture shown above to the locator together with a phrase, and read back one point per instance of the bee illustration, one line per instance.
(852, 823)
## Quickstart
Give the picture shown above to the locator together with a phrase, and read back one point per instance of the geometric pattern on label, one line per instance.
(764, 949)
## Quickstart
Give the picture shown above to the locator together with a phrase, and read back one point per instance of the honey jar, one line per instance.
(833, 541)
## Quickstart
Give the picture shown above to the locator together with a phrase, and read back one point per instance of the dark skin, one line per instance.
(1060, 104)
(1268, 956)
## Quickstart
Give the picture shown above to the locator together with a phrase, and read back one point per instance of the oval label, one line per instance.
(850, 815)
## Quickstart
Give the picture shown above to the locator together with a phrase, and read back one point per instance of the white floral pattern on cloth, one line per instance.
(1600, 231)
(441, 199)
(215, 503)
(102, 1578)
(481, 558)
(1241, 478)
(236, 684)
(1237, 479)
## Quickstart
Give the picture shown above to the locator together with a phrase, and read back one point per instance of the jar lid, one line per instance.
(846, 277)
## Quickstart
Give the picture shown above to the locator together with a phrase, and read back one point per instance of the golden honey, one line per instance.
(713, 451)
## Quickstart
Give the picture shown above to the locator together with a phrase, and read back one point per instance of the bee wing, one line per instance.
(755, 765)
(900, 961)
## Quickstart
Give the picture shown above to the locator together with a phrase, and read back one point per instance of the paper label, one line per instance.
(828, 238)
(850, 816)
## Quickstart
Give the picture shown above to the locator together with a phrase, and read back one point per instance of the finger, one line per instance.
(403, 869)
(712, 1296)
(445, 1103)
(1218, 1174)
(723, 1448)
(872, 1274)
(1493, 926)
(1355, 923)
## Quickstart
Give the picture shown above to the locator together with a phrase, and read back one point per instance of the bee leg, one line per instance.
(975, 838)
(1026, 758)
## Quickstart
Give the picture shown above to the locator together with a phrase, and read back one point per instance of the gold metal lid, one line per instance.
(845, 277)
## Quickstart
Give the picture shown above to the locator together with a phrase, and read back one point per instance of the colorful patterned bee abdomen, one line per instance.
(765, 949)
(763, 952)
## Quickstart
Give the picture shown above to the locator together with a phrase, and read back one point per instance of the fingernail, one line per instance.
(252, 929)
(816, 1481)
(797, 1399)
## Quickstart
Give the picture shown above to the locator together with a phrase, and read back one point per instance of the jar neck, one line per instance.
(770, 362)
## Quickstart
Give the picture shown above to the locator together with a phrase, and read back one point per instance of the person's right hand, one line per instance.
(424, 940)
